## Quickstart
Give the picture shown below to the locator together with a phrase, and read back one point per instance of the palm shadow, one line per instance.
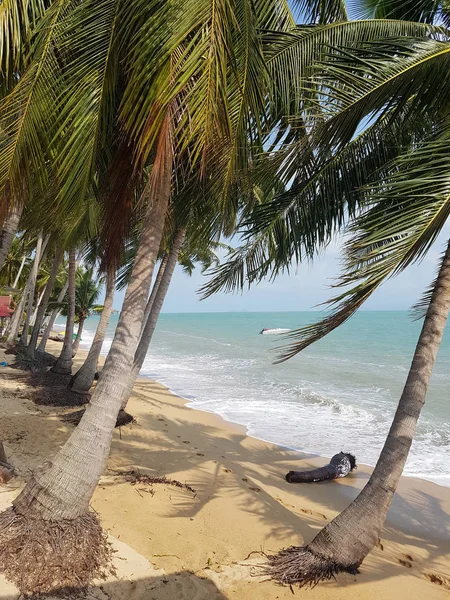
(182, 585)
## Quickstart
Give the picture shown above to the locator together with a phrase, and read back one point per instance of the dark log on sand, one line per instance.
(339, 466)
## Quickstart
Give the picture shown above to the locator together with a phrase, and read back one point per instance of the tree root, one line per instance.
(298, 565)
(52, 556)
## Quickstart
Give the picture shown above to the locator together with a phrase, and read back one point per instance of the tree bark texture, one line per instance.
(348, 539)
(19, 272)
(64, 363)
(53, 318)
(38, 304)
(152, 318)
(155, 288)
(14, 325)
(83, 379)
(77, 340)
(63, 488)
(44, 303)
(40, 249)
(31, 289)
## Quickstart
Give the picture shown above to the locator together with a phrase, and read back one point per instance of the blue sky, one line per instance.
(303, 289)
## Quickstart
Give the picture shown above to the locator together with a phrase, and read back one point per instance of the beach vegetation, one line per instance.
(170, 120)
(376, 168)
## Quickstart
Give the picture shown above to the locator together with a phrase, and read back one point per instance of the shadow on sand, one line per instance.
(166, 587)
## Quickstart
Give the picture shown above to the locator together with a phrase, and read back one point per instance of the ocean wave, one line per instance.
(310, 404)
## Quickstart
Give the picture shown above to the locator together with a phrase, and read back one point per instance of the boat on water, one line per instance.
(274, 331)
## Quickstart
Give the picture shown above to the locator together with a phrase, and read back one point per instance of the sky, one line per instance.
(302, 289)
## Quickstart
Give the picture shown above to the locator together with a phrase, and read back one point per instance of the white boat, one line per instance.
(267, 331)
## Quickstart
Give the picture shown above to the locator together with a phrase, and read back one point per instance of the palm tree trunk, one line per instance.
(19, 273)
(9, 231)
(55, 501)
(53, 318)
(63, 488)
(344, 543)
(40, 314)
(36, 308)
(77, 340)
(14, 324)
(40, 249)
(152, 319)
(15, 321)
(63, 365)
(155, 288)
(83, 379)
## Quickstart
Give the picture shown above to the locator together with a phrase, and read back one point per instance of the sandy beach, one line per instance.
(173, 543)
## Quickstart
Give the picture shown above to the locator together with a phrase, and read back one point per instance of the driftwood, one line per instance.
(339, 466)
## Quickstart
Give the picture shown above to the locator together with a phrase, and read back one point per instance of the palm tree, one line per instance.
(196, 105)
(390, 183)
(40, 314)
(27, 294)
(186, 252)
(13, 267)
(87, 291)
(193, 91)
(82, 381)
(53, 315)
(31, 287)
(63, 365)
(153, 309)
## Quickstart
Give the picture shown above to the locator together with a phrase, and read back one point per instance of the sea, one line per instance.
(339, 394)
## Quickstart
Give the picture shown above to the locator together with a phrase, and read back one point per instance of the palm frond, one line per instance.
(17, 21)
(292, 56)
(425, 11)
(405, 214)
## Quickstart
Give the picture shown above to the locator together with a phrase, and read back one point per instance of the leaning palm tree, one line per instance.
(191, 101)
(41, 310)
(10, 226)
(390, 183)
(404, 218)
(196, 101)
(186, 252)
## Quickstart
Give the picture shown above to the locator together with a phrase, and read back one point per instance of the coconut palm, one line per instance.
(8, 232)
(425, 11)
(12, 273)
(27, 295)
(82, 381)
(87, 292)
(192, 106)
(390, 184)
(196, 104)
(40, 313)
(30, 290)
(63, 365)
(53, 315)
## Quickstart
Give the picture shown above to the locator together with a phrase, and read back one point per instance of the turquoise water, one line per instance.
(340, 393)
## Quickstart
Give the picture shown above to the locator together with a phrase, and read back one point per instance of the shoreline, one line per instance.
(314, 459)
(240, 420)
(242, 504)
(190, 403)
